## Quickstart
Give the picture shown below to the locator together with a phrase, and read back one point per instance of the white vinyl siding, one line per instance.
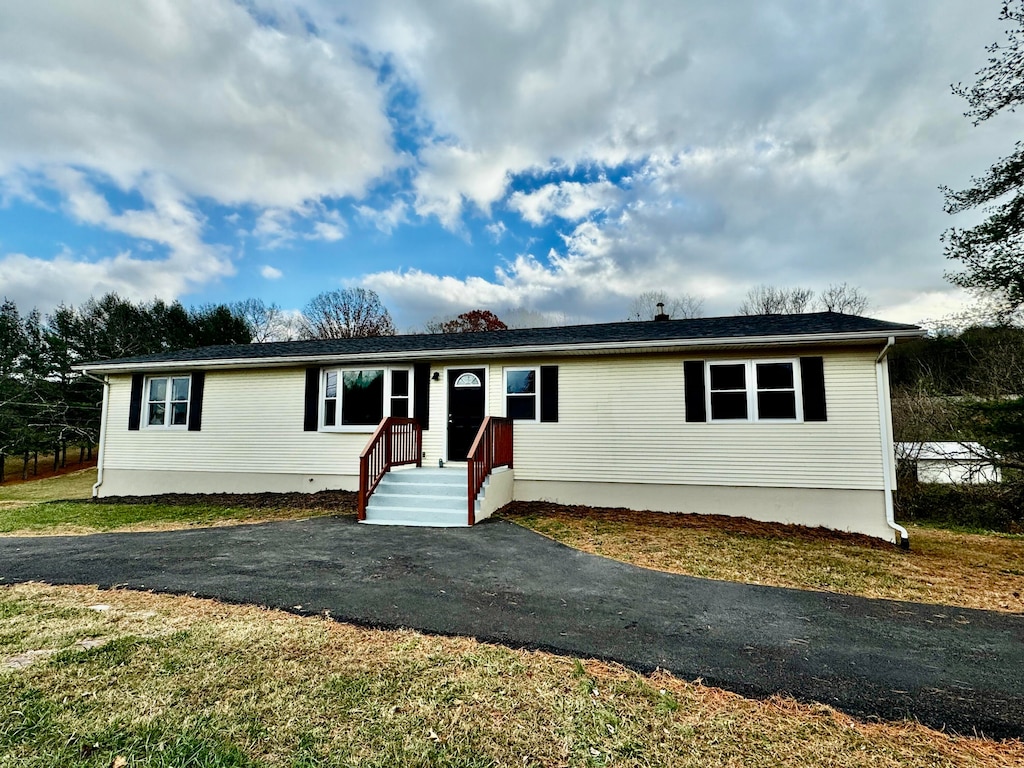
(252, 422)
(621, 419)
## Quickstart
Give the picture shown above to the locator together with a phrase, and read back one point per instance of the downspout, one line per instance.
(885, 429)
(105, 381)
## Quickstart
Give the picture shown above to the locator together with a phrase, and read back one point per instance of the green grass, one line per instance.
(63, 505)
(178, 682)
(79, 516)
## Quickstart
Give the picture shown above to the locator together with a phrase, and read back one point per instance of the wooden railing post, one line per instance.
(491, 448)
(363, 476)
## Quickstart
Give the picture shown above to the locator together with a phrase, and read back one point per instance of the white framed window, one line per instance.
(522, 393)
(358, 399)
(167, 401)
(754, 390)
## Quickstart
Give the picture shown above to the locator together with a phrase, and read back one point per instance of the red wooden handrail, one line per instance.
(396, 441)
(491, 448)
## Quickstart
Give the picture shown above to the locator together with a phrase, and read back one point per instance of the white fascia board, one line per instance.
(538, 350)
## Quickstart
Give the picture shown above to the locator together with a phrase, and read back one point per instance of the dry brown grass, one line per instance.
(179, 680)
(942, 567)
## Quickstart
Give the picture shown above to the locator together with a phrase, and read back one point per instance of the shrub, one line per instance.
(992, 506)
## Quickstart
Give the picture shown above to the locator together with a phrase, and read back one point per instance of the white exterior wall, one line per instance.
(252, 438)
(621, 423)
(621, 419)
(956, 471)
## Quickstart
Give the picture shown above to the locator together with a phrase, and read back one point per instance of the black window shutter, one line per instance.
(693, 390)
(135, 404)
(312, 412)
(549, 393)
(812, 382)
(195, 404)
(421, 394)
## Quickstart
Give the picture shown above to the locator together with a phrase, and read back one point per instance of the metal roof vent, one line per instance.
(661, 312)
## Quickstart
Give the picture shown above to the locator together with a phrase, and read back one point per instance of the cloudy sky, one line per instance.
(556, 155)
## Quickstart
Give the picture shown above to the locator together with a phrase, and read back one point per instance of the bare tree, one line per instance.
(843, 298)
(645, 306)
(351, 313)
(266, 322)
(770, 300)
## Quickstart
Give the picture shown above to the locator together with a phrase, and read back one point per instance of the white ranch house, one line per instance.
(780, 418)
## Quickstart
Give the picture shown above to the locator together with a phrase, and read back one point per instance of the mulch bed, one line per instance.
(725, 524)
(334, 501)
(345, 502)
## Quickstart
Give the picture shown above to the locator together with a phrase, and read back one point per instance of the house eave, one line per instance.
(543, 350)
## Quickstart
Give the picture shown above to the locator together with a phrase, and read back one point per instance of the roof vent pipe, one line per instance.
(661, 312)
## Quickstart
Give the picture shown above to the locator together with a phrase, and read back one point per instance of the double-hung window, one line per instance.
(754, 390)
(521, 394)
(167, 401)
(357, 399)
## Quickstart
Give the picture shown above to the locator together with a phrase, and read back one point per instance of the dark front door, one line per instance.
(465, 410)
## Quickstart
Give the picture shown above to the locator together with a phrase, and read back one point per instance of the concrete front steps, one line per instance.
(420, 496)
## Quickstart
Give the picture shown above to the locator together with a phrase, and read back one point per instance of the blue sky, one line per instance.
(550, 157)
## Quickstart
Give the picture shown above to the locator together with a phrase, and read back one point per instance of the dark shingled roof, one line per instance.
(697, 329)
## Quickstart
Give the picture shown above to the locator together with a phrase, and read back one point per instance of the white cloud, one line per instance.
(496, 230)
(277, 227)
(168, 221)
(790, 143)
(271, 273)
(387, 219)
(178, 103)
(323, 230)
(196, 90)
(569, 200)
(45, 283)
(451, 176)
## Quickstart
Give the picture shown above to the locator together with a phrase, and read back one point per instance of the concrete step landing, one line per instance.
(420, 496)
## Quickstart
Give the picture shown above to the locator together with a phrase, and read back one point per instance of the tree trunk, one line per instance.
(56, 458)
(88, 453)
(63, 453)
(24, 466)
(3, 461)
(81, 453)
(35, 463)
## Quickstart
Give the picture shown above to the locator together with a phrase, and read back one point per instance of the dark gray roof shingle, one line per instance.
(427, 345)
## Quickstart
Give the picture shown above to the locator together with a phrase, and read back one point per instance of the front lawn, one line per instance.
(945, 567)
(951, 568)
(88, 677)
(62, 505)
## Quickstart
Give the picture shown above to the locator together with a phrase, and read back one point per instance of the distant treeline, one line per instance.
(983, 361)
(45, 406)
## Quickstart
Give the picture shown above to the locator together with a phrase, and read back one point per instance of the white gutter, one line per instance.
(103, 430)
(534, 349)
(888, 452)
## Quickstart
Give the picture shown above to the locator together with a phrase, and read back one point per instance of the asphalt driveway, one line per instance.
(947, 667)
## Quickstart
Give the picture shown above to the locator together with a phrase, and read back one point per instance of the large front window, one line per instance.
(754, 390)
(359, 398)
(167, 401)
